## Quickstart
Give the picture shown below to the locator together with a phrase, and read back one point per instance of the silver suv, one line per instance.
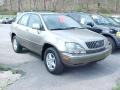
(59, 39)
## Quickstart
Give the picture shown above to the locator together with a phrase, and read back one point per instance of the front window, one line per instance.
(34, 19)
(24, 20)
(100, 20)
(85, 19)
(59, 22)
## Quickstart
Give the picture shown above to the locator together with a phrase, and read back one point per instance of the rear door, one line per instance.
(21, 30)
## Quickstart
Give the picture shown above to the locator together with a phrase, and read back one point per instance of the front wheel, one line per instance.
(52, 61)
(16, 46)
(112, 43)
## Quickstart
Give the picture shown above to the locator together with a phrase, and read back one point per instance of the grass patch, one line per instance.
(7, 13)
(8, 68)
(8, 76)
(117, 87)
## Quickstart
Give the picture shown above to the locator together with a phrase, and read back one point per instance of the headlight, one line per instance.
(118, 34)
(74, 48)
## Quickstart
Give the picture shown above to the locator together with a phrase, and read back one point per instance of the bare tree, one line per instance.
(35, 4)
(19, 5)
(45, 4)
(30, 4)
(116, 6)
(54, 4)
(5, 4)
(10, 5)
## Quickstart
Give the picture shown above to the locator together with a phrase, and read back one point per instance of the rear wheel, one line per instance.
(52, 61)
(16, 46)
(112, 43)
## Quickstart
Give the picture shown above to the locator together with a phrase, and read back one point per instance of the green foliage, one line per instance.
(4, 67)
(81, 7)
(77, 8)
(4, 11)
(117, 87)
(103, 10)
(7, 13)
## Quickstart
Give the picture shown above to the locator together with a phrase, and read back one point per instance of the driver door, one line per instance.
(34, 34)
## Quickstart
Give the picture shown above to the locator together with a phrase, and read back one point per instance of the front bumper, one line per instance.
(72, 60)
(118, 42)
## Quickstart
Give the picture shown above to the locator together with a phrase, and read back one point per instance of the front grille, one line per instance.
(95, 51)
(95, 44)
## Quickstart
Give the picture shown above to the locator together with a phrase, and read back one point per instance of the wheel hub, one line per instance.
(51, 61)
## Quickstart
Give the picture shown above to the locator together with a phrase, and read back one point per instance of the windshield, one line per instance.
(112, 21)
(100, 20)
(117, 19)
(60, 22)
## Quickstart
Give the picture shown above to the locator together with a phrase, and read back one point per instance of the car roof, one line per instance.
(36, 12)
(20, 14)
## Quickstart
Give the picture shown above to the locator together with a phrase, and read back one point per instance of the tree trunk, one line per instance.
(44, 4)
(10, 5)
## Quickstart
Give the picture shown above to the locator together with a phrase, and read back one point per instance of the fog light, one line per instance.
(118, 34)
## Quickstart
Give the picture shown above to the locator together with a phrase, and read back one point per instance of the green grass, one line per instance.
(117, 87)
(4, 67)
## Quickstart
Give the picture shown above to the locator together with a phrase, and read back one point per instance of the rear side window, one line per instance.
(24, 20)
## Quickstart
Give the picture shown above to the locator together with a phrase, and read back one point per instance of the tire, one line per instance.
(112, 43)
(52, 56)
(95, 62)
(17, 48)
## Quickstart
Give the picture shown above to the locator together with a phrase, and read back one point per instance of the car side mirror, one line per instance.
(90, 24)
(37, 26)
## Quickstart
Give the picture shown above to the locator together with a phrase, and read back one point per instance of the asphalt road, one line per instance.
(100, 76)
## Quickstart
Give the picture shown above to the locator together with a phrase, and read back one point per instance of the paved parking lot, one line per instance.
(100, 76)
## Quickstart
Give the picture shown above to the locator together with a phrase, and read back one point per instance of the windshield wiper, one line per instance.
(67, 28)
(74, 28)
(57, 29)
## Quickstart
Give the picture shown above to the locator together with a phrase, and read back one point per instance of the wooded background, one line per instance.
(103, 6)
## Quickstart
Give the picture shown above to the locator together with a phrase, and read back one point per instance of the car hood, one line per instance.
(108, 27)
(78, 35)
